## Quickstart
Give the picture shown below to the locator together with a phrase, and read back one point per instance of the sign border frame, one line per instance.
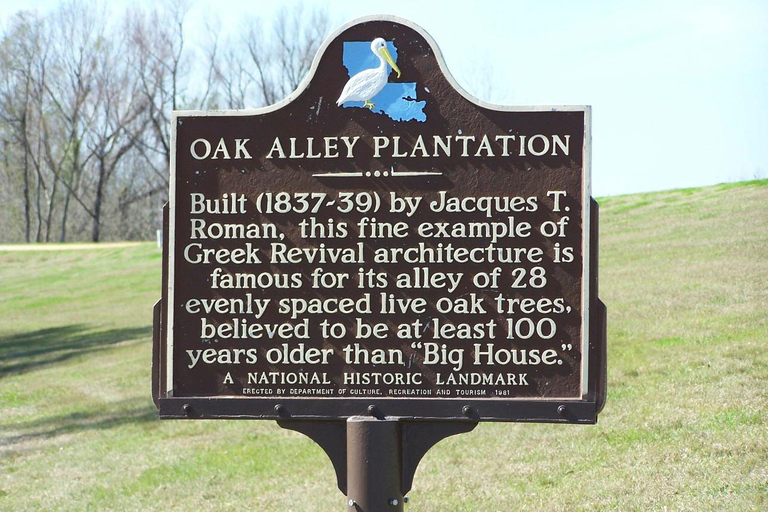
(569, 409)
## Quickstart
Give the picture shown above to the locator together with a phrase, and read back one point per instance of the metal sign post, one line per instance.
(376, 458)
(380, 261)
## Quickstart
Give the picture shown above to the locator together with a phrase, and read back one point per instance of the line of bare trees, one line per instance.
(85, 103)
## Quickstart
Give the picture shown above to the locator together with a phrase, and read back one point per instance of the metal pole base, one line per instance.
(374, 465)
(375, 459)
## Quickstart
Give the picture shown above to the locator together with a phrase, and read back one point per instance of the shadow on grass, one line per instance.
(111, 416)
(20, 353)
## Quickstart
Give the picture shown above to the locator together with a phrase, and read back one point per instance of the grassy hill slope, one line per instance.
(684, 274)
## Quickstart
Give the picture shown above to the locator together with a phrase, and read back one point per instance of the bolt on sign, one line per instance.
(381, 239)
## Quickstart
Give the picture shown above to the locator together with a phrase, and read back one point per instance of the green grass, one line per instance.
(684, 274)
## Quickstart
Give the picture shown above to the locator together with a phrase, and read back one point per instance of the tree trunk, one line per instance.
(38, 188)
(64, 213)
(98, 201)
(51, 202)
(27, 205)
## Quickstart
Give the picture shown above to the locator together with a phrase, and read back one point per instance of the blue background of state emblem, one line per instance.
(396, 100)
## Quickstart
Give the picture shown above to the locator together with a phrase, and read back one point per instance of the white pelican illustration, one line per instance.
(368, 83)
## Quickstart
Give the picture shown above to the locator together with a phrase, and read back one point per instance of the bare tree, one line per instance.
(24, 64)
(117, 117)
(86, 101)
(163, 64)
(159, 46)
(298, 38)
(78, 33)
(277, 57)
(15, 105)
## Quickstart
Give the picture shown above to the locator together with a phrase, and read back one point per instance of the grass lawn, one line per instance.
(684, 274)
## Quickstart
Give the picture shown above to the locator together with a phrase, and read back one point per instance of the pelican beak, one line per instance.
(385, 53)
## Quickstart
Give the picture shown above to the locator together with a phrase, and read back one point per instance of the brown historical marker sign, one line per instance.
(381, 239)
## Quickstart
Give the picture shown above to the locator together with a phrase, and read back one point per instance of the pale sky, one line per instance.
(679, 90)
